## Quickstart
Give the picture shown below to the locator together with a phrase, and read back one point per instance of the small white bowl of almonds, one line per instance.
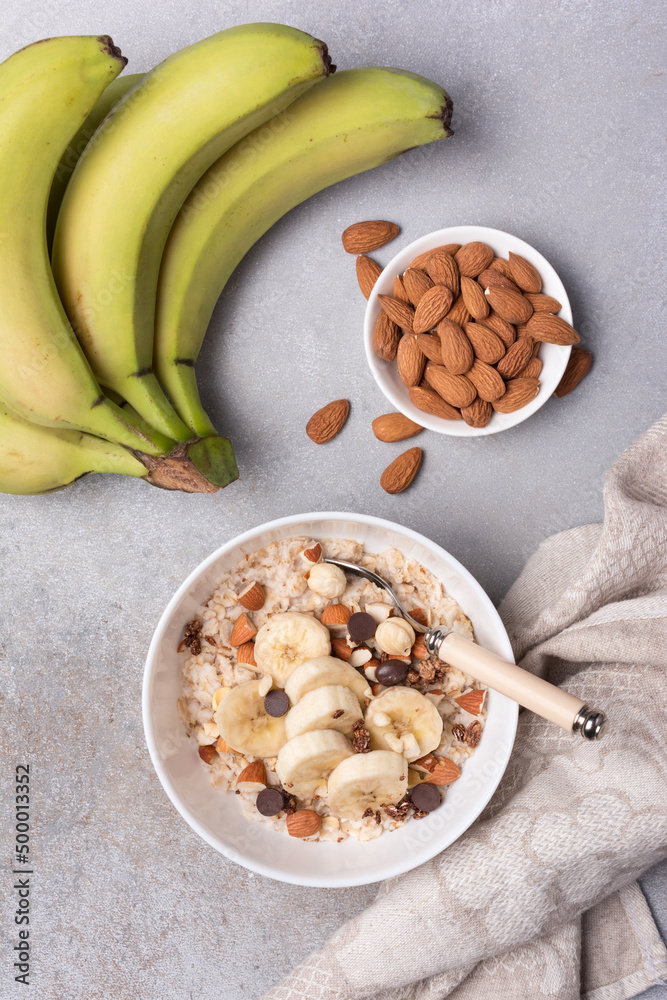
(468, 331)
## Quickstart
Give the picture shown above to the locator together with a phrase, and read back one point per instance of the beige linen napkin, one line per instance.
(538, 898)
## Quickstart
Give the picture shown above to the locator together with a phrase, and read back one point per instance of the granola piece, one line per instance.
(397, 812)
(459, 732)
(192, 637)
(367, 813)
(361, 738)
(418, 813)
(378, 817)
(412, 678)
(427, 671)
(474, 733)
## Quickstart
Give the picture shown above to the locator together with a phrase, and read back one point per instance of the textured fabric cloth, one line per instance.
(538, 898)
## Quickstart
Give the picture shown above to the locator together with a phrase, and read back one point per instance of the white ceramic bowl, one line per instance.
(217, 817)
(554, 358)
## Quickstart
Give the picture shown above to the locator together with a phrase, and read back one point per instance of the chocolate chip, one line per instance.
(424, 797)
(270, 801)
(391, 672)
(361, 626)
(276, 703)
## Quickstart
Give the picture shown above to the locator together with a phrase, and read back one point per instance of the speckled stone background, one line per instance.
(558, 139)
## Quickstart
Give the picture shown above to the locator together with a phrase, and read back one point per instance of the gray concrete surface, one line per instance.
(557, 140)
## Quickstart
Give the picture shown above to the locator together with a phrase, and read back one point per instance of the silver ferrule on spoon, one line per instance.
(545, 699)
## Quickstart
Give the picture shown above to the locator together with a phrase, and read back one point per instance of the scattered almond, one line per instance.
(386, 337)
(410, 360)
(368, 272)
(426, 763)
(456, 351)
(243, 631)
(246, 654)
(252, 597)
(340, 648)
(509, 305)
(222, 747)
(454, 389)
(478, 413)
(433, 306)
(516, 358)
(207, 753)
(419, 650)
(519, 392)
(524, 274)
(335, 614)
(551, 330)
(443, 270)
(471, 701)
(444, 773)
(577, 368)
(401, 313)
(252, 778)
(474, 298)
(362, 237)
(313, 555)
(395, 427)
(303, 823)
(326, 423)
(400, 473)
(419, 616)
(486, 344)
(428, 401)
(473, 258)
(416, 283)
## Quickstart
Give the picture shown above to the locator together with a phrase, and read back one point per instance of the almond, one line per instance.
(400, 473)
(486, 344)
(501, 328)
(509, 305)
(433, 306)
(252, 597)
(552, 330)
(395, 427)
(368, 272)
(474, 298)
(487, 381)
(456, 351)
(252, 778)
(473, 258)
(522, 330)
(519, 392)
(223, 747)
(207, 753)
(363, 237)
(459, 312)
(542, 303)
(246, 654)
(335, 614)
(524, 274)
(419, 615)
(516, 358)
(326, 423)
(422, 259)
(303, 823)
(577, 368)
(426, 763)
(444, 772)
(416, 283)
(340, 648)
(454, 389)
(419, 651)
(496, 279)
(401, 313)
(532, 370)
(430, 344)
(386, 337)
(430, 402)
(442, 268)
(410, 359)
(400, 291)
(478, 413)
(313, 555)
(471, 702)
(501, 265)
(243, 631)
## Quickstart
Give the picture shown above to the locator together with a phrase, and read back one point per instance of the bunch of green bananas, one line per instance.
(125, 205)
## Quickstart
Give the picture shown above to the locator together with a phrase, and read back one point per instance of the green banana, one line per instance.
(351, 122)
(116, 90)
(36, 459)
(131, 181)
(46, 91)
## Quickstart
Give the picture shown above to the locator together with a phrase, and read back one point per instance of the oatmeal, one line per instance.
(316, 703)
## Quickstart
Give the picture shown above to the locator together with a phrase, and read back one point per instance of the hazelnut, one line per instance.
(327, 580)
(395, 636)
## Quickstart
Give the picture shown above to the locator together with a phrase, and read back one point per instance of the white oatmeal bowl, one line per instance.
(182, 691)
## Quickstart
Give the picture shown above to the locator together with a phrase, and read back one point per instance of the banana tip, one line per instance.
(329, 67)
(111, 49)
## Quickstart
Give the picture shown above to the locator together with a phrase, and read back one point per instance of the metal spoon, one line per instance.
(546, 700)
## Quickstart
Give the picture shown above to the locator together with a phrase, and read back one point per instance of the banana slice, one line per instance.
(324, 670)
(245, 726)
(330, 707)
(306, 762)
(286, 640)
(367, 781)
(403, 720)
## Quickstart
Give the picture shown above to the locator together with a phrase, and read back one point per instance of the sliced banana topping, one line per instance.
(324, 670)
(403, 717)
(330, 707)
(244, 724)
(367, 781)
(286, 640)
(305, 762)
